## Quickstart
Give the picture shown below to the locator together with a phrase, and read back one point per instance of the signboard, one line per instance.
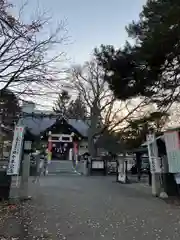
(121, 170)
(66, 138)
(172, 141)
(153, 154)
(16, 151)
(98, 165)
(155, 165)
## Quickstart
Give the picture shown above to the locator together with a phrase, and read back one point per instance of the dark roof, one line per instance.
(37, 125)
(80, 126)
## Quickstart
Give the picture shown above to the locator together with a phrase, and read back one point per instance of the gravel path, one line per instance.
(84, 208)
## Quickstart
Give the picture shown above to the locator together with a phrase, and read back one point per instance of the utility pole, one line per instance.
(93, 129)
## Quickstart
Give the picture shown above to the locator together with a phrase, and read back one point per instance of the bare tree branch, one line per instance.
(27, 55)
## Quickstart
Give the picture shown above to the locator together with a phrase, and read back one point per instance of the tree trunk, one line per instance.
(1, 136)
(93, 130)
(91, 147)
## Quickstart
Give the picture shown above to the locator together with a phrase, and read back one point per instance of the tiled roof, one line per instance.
(37, 125)
(80, 126)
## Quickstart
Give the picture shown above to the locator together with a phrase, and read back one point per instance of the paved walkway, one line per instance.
(63, 167)
(84, 208)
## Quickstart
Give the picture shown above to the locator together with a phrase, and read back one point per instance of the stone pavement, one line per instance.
(142, 185)
(60, 166)
(82, 208)
(64, 167)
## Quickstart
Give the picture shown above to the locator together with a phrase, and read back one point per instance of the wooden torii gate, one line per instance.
(66, 138)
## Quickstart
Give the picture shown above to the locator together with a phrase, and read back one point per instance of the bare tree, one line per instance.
(106, 113)
(28, 62)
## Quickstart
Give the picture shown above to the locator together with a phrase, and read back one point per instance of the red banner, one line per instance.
(49, 145)
(75, 147)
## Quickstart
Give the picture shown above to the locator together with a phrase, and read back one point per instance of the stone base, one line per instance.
(163, 195)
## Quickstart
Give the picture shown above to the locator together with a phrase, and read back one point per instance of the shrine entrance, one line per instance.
(62, 154)
(60, 147)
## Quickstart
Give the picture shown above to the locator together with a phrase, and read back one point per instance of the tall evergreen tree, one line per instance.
(62, 103)
(70, 108)
(137, 129)
(77, 109)
(150, 67)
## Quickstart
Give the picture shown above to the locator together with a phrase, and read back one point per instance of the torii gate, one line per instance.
(66, 138)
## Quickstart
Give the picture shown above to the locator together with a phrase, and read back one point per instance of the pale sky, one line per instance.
(89, 22)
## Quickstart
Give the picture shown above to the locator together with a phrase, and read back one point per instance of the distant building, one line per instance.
(39, 124)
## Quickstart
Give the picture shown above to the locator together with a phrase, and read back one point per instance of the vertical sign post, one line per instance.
(16, 151)
(154, 163)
